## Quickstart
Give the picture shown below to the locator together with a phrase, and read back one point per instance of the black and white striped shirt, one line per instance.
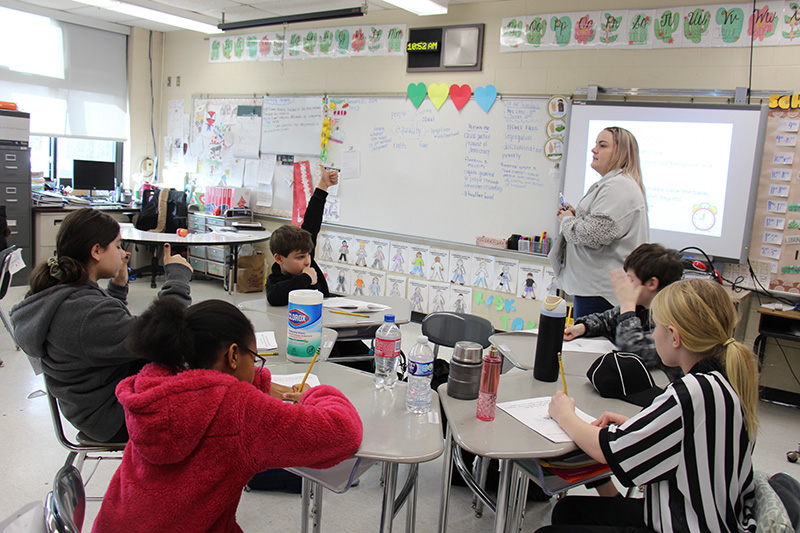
(691, 449)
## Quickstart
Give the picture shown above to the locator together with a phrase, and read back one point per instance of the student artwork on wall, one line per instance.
(376, 282)
(460, 299)
(505, 275)
(529, 279)
(439, 294)
(334, 42)
(328, 269)
(341, 279)
(325, 243)
(439, 265)
(481, 270)
(399, 256)
(549, 284)
(460, 264)
(418, 295)
(359, 285)
(343, 250)
(378, 253)
(771, 23)
(418, 260)
(395, 286)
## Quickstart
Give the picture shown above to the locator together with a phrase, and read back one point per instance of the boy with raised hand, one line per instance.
(647, 269)
(293, 249)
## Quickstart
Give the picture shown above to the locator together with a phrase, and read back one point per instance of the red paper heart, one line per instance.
(460, 95)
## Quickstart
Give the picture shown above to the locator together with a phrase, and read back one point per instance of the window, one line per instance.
(53, 156)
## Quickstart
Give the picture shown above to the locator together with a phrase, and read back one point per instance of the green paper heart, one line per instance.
(438, 93)
(416, 93)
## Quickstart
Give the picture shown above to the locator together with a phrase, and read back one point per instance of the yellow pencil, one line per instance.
(267, 353)
(303, 383)
(348, 313)
(563, 377)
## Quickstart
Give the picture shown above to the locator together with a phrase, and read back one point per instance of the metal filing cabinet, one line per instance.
(213, 260)
(15, 185)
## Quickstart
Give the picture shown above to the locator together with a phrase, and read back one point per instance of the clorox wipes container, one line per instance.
(304, 333)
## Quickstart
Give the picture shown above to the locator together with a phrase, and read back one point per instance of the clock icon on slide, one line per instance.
(704, 216)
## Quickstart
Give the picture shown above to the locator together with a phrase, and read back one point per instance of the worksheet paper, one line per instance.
(533, 413)
(265, 341)
(295, 379)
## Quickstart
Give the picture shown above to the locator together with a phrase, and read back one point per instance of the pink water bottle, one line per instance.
(490, 378)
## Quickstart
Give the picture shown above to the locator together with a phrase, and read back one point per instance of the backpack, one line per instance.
(176, 213)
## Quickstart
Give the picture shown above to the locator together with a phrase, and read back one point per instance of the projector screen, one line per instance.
(700, 166)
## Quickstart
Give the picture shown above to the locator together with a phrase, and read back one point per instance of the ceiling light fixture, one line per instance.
(301, 17)
(420, 7)
(153, 15)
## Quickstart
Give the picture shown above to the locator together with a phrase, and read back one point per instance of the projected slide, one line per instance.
(685, 172)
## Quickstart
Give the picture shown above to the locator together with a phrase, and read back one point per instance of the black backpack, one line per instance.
(177, 211)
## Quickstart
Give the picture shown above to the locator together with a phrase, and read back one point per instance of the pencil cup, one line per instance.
(490, 378)
(304, 332)
(550, 338)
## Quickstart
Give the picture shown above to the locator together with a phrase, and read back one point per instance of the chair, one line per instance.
(65, 506)
(5, 281)
(80, 450)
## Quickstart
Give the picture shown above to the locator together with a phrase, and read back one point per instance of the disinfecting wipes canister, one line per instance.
(304, 332)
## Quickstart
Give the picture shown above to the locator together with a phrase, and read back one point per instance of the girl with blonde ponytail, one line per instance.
(692, 447)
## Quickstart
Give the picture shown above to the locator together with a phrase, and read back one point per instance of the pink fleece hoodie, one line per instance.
(198, 436)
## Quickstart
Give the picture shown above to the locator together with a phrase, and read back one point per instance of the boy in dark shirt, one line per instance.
(293, 249)
(647, 269)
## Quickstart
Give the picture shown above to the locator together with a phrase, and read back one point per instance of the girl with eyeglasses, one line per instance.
(608, 223)
(204, 417)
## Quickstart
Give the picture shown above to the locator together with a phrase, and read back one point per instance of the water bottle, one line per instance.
(420, 372)
(387, 353)
(490, 379)
(550, 338)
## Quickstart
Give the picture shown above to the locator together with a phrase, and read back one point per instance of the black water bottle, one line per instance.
(550, 339)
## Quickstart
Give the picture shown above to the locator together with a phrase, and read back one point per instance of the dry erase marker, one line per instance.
(333, 168)
(561, 199)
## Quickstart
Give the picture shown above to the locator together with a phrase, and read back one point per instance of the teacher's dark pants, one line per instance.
(587, 305)
(584, 514)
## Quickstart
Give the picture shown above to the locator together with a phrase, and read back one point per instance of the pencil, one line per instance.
(267, 353)
(560, 365)
(303, 383)
(348, 313)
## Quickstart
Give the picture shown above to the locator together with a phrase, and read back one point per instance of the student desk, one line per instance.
(776, 373)
(233, 239)
(391, 435)
(265, 322)
(507, 439)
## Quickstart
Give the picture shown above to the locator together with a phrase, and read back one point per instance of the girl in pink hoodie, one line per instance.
(205, 417)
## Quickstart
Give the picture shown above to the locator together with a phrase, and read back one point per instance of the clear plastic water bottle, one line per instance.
(420, 372)
(387, 353)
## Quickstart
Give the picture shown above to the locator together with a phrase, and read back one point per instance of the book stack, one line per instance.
(47, 199)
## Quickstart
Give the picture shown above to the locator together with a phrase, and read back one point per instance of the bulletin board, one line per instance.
(444, 173)
(776, 227)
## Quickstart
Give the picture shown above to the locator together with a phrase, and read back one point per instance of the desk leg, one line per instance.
(759, 347)
(411, 510)
(389, 485)
(154, 267)
(519, 500)
(480, 469)
(311, 507)
(502, 496)
(447, 472)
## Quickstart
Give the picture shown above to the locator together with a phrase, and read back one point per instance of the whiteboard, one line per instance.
(445, 174)
(291, 125)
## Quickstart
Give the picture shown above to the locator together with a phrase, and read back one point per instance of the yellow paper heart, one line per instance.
(438, 93)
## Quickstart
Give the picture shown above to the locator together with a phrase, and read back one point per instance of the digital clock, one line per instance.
(423, 46)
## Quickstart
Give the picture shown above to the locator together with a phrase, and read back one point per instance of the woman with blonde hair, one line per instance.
(692, 447)
(608, 223)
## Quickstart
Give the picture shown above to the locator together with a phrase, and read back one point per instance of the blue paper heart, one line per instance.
(485, 96)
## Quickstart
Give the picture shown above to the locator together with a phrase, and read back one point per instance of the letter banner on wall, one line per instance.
(350, 41)
(770, 24)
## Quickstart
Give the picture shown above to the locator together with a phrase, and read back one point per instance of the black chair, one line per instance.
(5, 282)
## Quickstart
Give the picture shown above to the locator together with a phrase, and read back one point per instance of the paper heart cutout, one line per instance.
(416, 93)
(485, 96)
(460, 95)
(438, 93)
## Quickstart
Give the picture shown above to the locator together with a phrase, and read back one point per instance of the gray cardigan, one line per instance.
(79, 334)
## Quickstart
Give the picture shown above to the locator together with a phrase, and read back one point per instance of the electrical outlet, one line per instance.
(169, 81)
(177, 81)
(147, 165)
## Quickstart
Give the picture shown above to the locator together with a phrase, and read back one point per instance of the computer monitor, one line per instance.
(93, 175)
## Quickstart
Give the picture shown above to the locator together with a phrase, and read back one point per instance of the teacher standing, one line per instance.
(608, 223)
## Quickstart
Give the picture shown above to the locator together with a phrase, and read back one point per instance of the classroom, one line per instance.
(440, 171)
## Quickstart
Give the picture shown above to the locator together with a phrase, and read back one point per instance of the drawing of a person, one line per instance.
(437, 269)
(417, 266)
(374, 287)
(343, 250)
(327, 250)
(395, 290)
(359, 287)
(530, 285)
(460, 305)
(340, 281)
(361, 254)
(377, 258)
(458, 273)
(480, 275)
(397, 262)
(504, 283)
(553, 287)
(416, 300)
(438, 302)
